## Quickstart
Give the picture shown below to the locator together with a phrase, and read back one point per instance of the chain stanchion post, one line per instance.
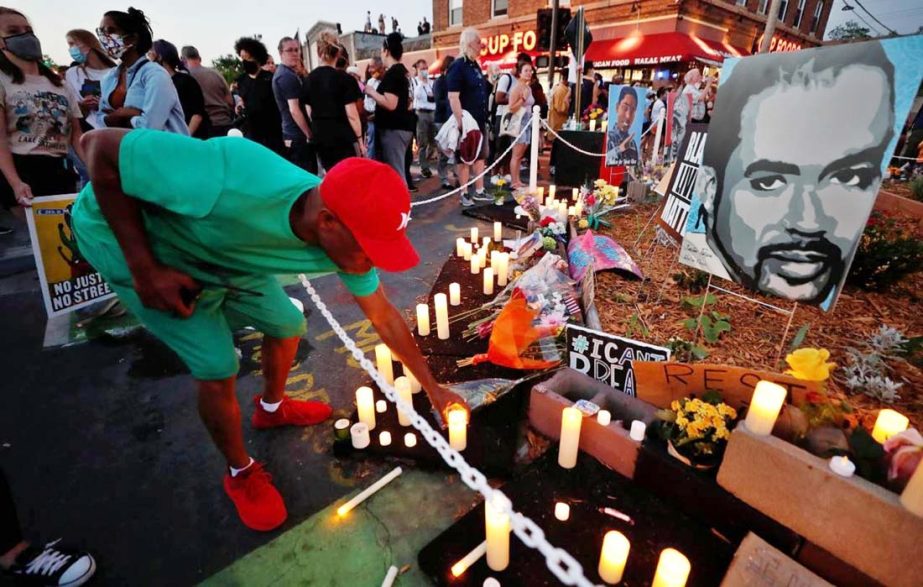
(533, 163)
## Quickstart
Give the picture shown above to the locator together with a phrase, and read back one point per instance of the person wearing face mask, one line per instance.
(91, 64)
(424, 102)
(394, 119)
(41, 119)
(136, 94)
(262, 121)
(165, 54)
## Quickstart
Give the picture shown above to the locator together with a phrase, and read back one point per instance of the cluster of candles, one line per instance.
(603, 125)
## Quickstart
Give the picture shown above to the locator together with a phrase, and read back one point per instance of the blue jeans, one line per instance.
(370, 136)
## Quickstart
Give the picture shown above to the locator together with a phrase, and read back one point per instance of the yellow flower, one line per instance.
(583, 223)
(809, 364)
(675, 405)
(600, 183)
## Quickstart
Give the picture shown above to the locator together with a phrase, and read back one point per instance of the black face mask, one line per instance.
(251, 67)
(25, 46)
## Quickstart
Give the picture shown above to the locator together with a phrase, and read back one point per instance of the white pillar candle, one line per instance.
(912, 496)
(562, 511)
(359, 433)
(764, 407)
(571, 419)
(467, 251)
(503, 269)
(574, 193)
(460, 246)
(383, 362)
(482, 255)
(638, 428)
(459, 568)
(365, 402)
(578, 209)
(458, 429)
(889, 423)
(442, 316)
(541, 192)
(474, 235)
(498, 231)
(491, 582)
(571, 211)
(410, 440)
(605, 125)
(423, 319)
(592, 124)
(498, 537)
(613, 556)
(488, 281)
(493, 260)
(475, 264)
(842, 466)
(390, 577)
(603, 417)
(551, 190)
(368, 492)
(485, 242)
(381, 406)
(415, 386)
(402, 385)
(454, 294)
(385, 438)
(672, 569)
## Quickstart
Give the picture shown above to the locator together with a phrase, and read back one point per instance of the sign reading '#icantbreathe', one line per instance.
(608, 358)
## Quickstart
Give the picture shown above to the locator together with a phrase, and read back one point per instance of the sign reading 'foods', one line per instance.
(503, 43)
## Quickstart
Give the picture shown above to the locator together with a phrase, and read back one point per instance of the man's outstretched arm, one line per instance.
(158, 286)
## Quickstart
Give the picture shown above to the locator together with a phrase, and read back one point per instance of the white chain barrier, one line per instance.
(471, 182)
(564, 566)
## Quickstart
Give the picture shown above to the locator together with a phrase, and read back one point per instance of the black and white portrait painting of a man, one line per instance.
(795, 154)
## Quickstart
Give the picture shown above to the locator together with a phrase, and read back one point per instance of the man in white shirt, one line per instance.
(424, 104)
(373, 73)
(696, 96)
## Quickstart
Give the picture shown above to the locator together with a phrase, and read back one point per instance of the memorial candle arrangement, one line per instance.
(402, 385)
(383, 362)
(442, 316)
(488, 281)
(672, 569)
(423, 319)
(613, 557)
(889, 423)
(454, 294)
(498, 537)
(365, 403)
(571, 419)
(764, 408)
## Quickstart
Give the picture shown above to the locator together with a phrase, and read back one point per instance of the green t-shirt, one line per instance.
(218, 208)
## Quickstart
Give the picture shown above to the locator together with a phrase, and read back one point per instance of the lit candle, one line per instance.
(494, 255)
(423, 319)
(458, 429)
(562, 511)
(467, 251)
(454, 294)
(603, 417)
(575, 193)
(442, 316)
(365, 402)
(475, 264)
(764, 408)
(503, 268)
(410, 440)
(888, 424)
(571, 418)
(571, 210)
(381, 406)
(672, 569)
(592, 124)
(341, 429)
(383, 362)
(415, 386)
(488, 281)
(498, 536)
(605, 125)
(368, 492)
(402, 385)
(578, 208)
(459, 568)
(474, 235)
(842, 466)
(460, 246)
(613, 557)
(498, 231)
(385, 438)
(360, 435)
(638, 428)
(912, 497)
(482, 255)
(551, 190)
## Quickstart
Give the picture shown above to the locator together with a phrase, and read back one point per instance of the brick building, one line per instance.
(642, 40)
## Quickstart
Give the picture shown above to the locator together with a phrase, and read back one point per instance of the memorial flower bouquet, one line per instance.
(499, 191)
(593, 113)
(697, 430)
(599, 201)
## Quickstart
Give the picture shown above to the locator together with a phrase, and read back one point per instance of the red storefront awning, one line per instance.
(640, 50)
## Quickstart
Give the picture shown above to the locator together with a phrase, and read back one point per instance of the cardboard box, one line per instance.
(610, 444)
(757, 564)
(858, 522)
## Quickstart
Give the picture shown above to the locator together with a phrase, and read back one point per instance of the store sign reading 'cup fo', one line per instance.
(503, 43)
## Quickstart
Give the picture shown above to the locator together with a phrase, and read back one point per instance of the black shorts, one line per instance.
(46, 175)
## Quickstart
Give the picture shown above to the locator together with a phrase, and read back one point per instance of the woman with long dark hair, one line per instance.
(40, 119)
(190, 95)
(137, 94)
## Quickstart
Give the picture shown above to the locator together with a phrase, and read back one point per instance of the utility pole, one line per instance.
(578, 53)
(553, 45)
(770, 25)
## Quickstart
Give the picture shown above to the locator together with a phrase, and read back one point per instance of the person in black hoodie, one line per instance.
(263, 123)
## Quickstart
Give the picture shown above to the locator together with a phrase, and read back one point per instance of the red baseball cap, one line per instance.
(371, 199)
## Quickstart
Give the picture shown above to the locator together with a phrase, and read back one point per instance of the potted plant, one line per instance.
(697, 430)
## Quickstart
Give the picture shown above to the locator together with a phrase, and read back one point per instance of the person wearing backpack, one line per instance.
(501, 103)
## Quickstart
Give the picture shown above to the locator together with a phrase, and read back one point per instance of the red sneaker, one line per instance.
(291, 413)
(257, 500)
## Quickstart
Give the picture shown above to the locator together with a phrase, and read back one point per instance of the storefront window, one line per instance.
(798, 14)
(783, 9)
(455, 12)
(500, 7)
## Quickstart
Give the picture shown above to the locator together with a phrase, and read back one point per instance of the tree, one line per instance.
(850, 31)
(229, 66)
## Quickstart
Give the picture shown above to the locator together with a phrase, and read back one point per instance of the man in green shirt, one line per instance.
(190, 234)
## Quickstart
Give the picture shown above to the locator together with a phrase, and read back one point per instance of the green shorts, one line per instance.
(204, 341)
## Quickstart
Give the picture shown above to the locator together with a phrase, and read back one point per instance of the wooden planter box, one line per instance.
(610, 444)
(858, 522)
(895, 204)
